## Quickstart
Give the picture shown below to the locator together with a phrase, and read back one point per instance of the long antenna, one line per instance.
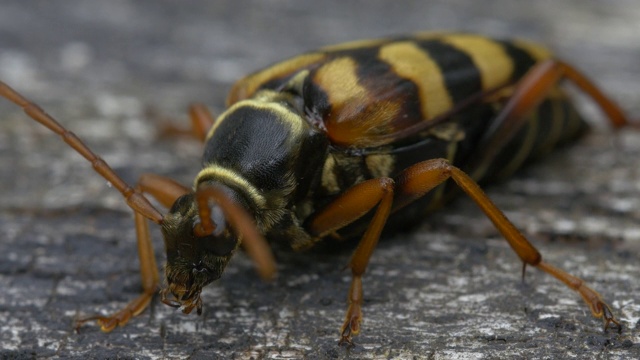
(134, 198)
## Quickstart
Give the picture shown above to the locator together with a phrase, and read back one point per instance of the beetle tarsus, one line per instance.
(345, 338)
(106, 323)
(607, 316)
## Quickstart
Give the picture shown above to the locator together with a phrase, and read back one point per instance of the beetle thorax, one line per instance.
(266, 151)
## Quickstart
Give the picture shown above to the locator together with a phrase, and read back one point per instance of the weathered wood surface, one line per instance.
(450, 289)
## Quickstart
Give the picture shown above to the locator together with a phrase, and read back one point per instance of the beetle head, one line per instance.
(201, 233)
(194, 259)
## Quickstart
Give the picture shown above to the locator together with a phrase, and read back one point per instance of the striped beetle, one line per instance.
(343, 141)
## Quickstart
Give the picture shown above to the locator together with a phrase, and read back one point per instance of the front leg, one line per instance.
(166, 191)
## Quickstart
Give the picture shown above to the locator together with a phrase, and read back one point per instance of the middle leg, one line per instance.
(347, 208)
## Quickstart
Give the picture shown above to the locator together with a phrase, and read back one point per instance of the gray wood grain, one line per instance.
(111, 71)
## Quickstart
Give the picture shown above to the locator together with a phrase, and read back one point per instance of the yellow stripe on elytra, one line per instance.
(233, 179)
(494, 64)
(245, 87)
(340, 81)
(410, 62)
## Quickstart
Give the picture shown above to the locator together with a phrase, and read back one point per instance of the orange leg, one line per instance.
(162, 188)
(347, 208)
(201, 121)
(413, 183)
(418, 179)
(529, 92)
(166, 191)
(159, 187)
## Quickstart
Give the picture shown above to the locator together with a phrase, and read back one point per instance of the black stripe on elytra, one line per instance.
(382, 83)
(522, 60)
(461, 76)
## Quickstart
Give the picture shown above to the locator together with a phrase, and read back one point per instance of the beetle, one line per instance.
(344, 142)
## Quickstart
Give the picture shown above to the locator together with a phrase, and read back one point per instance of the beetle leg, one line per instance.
(162, 188)
(347, 208)
(420, 178)
(201, 121)
(166, 191)
(529, 92)
(134, 197)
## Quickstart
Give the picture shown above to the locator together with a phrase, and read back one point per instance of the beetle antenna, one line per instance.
(206, 225)
(133, 197)
(253, 242)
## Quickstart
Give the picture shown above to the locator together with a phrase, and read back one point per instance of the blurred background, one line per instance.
(114, 71)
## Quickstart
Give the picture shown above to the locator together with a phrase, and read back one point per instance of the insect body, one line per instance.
(340, 143)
